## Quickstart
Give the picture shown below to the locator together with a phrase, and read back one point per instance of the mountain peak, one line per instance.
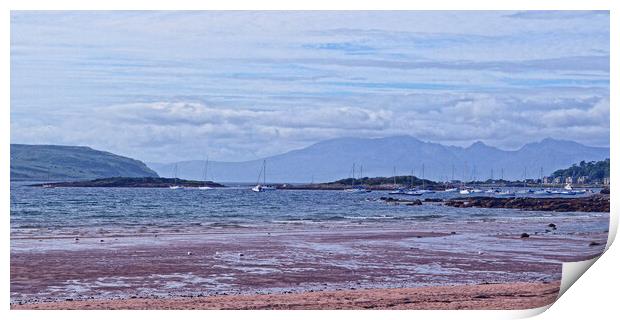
(478, 144)
(552, 143)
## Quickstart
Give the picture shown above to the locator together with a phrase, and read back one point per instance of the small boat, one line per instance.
(506, 194)
(568, 187)
(451, 190)
(415, 192)
(357, 189)
(175, 186)
(568, 193)
(204, 176)
(398, 191)
(263, 187)
(476, 191)
(425, 191)
(465, 192)
(525, 191)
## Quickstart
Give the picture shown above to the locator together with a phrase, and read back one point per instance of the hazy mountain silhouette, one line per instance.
(333, 159)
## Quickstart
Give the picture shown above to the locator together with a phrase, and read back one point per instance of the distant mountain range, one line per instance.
(333, 159)
(50, 162)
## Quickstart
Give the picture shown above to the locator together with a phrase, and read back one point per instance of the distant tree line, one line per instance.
(594, 170)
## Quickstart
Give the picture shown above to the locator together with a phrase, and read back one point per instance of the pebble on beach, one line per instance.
(524, 235)
(189, 253)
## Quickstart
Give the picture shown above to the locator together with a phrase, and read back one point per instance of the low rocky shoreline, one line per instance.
(595, 203)
(122, 182)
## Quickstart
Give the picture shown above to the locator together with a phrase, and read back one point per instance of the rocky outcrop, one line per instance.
(123, 182)
(596, 203)
(395, 201)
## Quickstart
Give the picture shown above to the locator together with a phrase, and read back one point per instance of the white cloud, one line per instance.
(164, 86)
(170, 131)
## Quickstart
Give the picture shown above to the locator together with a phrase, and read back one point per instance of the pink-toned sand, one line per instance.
(356, 268)
(491, 296)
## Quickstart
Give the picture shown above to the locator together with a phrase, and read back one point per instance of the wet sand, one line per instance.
(492, 296)
(482, 264)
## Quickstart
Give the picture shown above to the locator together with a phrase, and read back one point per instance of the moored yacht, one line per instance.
(204, 176)
(358, 188)
(175, 186)
(263, 187)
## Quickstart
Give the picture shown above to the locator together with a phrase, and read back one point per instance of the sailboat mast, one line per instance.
(423, 187)
(176, 168)
(541, 176)
(264, 172)
(353, 176)
(394, 176)
(205, 171)
(453, 172)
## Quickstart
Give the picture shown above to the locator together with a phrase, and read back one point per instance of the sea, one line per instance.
(48, 212)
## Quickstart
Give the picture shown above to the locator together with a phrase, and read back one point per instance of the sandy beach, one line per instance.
(492, 296)
(383, 266)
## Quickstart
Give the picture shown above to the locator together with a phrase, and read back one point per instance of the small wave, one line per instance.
(294, 221)
(368, 217)
(225, 225)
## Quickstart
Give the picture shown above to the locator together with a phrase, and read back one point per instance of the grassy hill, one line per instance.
(51, 162)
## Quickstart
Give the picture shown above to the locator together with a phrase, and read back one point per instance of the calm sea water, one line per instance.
(81, 211)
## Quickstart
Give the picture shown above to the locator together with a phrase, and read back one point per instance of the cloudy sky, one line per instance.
(168, 86)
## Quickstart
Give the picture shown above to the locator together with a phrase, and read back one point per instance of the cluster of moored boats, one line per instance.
(463, 190)
(567, 190)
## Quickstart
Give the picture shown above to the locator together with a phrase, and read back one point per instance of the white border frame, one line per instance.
(596, 290)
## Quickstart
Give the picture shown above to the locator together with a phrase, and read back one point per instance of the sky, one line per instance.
(239, 85)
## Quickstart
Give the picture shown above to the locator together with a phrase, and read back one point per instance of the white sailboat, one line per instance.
(263, 187)
(354, 188)
(506, 193)
(204, 176)
(397, 189)
(175, 186)
(424, 190)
